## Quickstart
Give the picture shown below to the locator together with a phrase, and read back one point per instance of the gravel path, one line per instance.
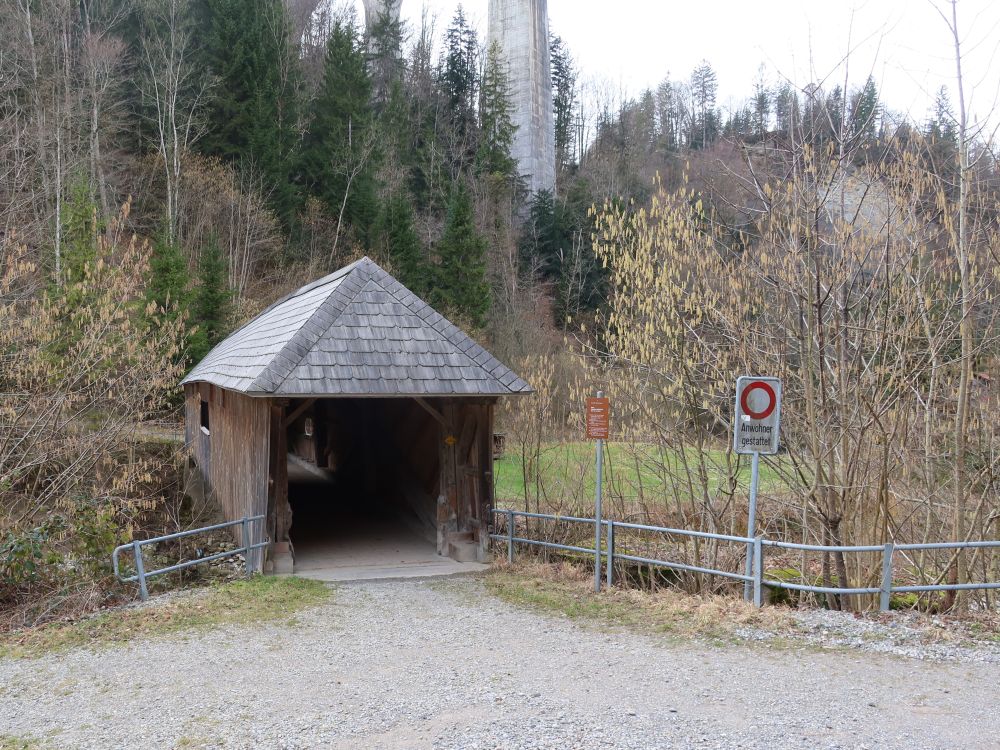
(899, 633)
(443, 665)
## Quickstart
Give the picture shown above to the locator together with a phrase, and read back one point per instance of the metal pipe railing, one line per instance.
(756, 579)
(142, 575)
(823, 547)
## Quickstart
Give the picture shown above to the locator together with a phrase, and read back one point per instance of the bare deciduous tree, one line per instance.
(175, 87)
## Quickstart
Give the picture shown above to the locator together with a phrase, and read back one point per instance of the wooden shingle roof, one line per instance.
(356, 332)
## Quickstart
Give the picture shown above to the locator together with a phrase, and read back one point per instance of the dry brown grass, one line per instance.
(568, 589)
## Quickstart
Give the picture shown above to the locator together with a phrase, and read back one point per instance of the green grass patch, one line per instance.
(7, 742)
(259, 599)
(632, 469)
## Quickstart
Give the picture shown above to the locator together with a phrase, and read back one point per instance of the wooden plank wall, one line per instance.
(234, 456)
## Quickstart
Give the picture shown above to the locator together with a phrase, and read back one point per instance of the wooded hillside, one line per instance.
(169, 167)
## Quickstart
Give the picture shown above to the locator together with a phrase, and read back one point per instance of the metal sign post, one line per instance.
(755, 431)
(598, 419)
(751, 521)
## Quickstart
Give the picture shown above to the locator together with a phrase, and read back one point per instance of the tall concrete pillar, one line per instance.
(374, 8)
(522, 29)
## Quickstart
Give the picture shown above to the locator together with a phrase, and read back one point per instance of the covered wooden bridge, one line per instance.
(347, 399)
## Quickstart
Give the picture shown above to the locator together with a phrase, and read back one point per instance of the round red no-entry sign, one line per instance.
(771, 400)
(757, 414)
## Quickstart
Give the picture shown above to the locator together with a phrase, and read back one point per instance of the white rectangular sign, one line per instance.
(758, 415)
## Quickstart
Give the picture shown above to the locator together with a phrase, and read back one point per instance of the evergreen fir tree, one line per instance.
(79, 235)
(384, 56)
(399, 127)
(669, 115)
(252, 117)
(338, 150)
(399, 244)
(167, 287)
(864, 112)
(644, 121)
(761, 107)
(786, 109)
(553, 247)
(704, 87)
(563, 99)
(211, 302)
(941, 127)
(459, 71)
(460, 284)
(739, 126)
(80, 262)
(81, 268)
(942, 139)
(423, 132)
(459, 82)
(496, 122)
(834, 112)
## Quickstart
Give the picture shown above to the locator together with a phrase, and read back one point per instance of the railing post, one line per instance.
(758, 572)
(611, 552)
(246, 545)
(885, 590)
(140, 570)
(510, 536)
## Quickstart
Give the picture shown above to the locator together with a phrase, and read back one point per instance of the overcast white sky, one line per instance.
(634, 44)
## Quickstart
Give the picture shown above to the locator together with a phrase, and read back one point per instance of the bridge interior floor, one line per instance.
(354, 545)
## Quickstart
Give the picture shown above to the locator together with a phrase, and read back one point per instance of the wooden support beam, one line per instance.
(433, 412)
(487, 464)
(298, 412)
(279, 476)
(468, 434)
(448, 510)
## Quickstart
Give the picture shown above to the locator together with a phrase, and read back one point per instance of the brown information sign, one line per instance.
(598, 418)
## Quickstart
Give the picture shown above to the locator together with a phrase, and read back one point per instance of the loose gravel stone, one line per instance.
(443, 665)
(899, 633)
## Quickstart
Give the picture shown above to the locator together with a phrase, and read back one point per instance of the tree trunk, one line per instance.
(966, 325)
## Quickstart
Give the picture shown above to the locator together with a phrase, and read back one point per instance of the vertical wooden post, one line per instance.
(488, 496)
(448, 500)
(271, 519)
(466, 467)
(485, 478)
(279, 511)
